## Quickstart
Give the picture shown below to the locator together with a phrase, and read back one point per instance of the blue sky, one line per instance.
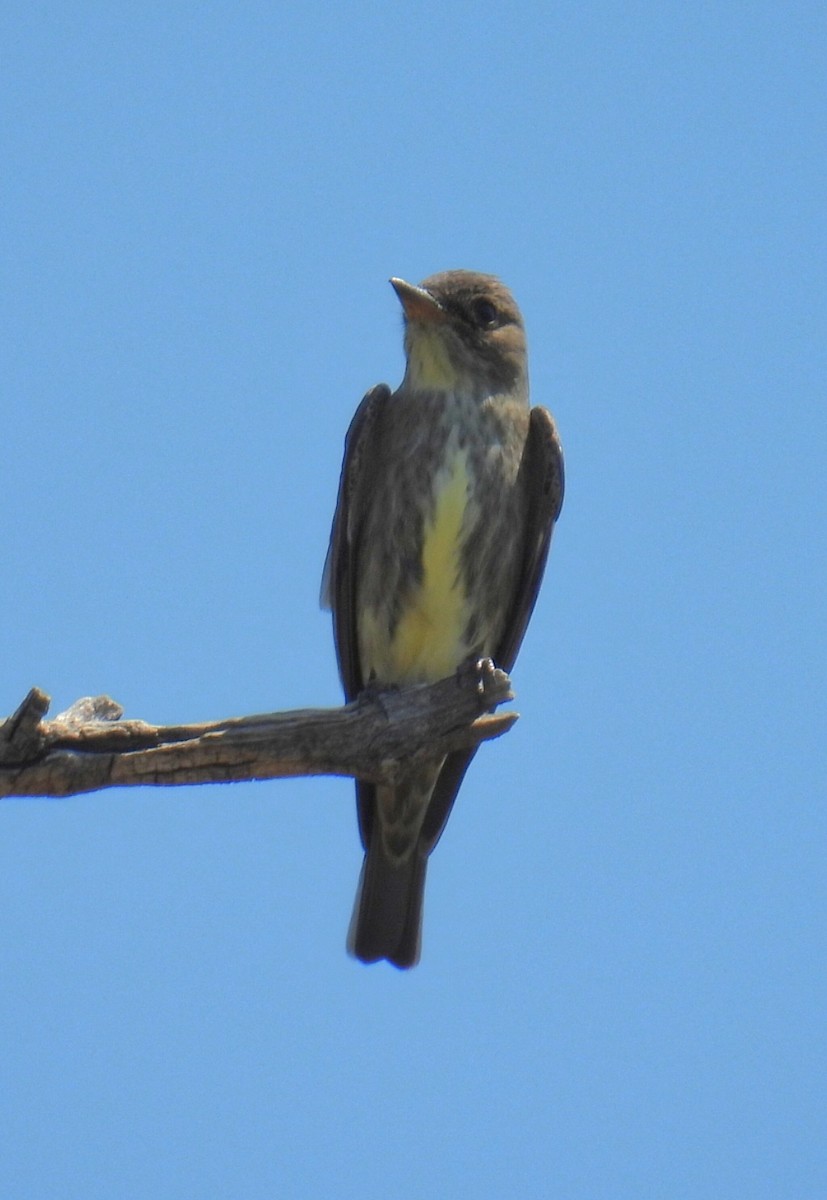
(622, 991)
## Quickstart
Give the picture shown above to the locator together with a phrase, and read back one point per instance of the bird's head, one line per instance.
(463, 331)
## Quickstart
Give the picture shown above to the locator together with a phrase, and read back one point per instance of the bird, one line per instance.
(449, 491)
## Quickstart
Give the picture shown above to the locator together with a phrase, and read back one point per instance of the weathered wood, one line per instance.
(90, 747)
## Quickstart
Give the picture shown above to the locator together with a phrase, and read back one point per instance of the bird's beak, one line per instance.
(418, 304)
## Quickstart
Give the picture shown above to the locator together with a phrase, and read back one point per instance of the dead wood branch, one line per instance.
(89, 747)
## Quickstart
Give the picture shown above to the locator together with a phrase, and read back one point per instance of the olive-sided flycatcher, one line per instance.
(449, 491)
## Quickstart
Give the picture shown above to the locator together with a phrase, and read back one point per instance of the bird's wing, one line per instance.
(542, 472)
(340, 569)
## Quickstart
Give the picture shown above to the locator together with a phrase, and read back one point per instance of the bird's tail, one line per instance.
(387, 915)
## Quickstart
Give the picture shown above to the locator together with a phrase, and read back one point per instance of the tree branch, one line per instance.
(89, 747)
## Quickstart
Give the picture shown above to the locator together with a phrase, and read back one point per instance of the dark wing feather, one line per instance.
(340, 569)
(541, 472)
(543, 482)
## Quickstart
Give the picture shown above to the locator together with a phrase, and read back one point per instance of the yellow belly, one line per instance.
(428, 643)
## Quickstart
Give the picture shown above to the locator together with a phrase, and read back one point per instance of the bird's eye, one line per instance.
(485, 313)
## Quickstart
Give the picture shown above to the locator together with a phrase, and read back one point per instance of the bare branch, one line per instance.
(89, 747)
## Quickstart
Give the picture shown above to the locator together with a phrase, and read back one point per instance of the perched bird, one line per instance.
(449, 491)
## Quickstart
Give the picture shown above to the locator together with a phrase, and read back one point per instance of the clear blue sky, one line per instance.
(623, 990)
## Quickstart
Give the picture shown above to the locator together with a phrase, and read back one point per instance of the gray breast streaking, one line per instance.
(435, 578)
